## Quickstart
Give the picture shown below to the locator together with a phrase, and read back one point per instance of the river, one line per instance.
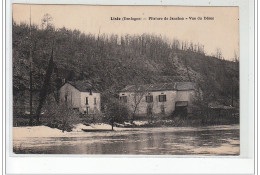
(214, 140)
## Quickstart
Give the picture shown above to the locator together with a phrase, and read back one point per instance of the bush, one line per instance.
(60, 115)
(116, 111)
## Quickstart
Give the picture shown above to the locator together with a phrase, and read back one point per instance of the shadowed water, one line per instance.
(147, 142)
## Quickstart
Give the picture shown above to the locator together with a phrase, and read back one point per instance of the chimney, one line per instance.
(64, 80)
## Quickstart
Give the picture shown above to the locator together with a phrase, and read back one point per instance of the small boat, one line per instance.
(96, 130)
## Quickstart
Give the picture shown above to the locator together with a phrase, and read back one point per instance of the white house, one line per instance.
(162, 98)
(82, 96)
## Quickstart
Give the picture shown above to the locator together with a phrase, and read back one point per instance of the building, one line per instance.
(82, 96)
(158, 99)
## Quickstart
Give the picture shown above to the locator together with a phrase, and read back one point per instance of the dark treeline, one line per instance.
(110, 62)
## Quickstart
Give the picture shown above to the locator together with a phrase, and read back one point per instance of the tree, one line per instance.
(46, 85)
(115, 111)
(236, 57)
(150, 110)
(60, 115)
(187, 69)
(200, 48)
(138, 94)
(176, 44)
(219, 53)
(46, 21)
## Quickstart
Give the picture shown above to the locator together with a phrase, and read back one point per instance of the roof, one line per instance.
(178, 86)
(83, 86)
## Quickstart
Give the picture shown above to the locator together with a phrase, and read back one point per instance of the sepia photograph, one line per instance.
(125, 80)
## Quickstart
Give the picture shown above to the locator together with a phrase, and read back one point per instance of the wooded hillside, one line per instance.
(111, 62)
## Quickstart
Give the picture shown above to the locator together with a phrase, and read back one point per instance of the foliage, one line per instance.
(116, 111)
(111, 62)
(59, 115)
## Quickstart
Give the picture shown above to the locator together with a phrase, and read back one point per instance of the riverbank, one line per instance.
(191, 121)
(45, 131)
(209, 140)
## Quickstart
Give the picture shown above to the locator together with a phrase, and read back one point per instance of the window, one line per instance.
(162, 98)
(90, 92)
(95, 101)
(66, 98)
(123, 99)
(149, 98)
(86, 100)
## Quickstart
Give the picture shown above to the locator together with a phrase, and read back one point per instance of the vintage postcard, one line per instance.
(125, 80)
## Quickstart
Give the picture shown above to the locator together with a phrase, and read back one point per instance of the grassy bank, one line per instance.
(186, 122)
(59, 123)
(190, 121)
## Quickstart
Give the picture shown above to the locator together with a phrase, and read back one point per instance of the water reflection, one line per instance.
(206, 142)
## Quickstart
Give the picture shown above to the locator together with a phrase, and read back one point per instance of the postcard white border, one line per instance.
(91, 164)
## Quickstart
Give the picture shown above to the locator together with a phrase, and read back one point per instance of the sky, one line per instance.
(222, 32)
